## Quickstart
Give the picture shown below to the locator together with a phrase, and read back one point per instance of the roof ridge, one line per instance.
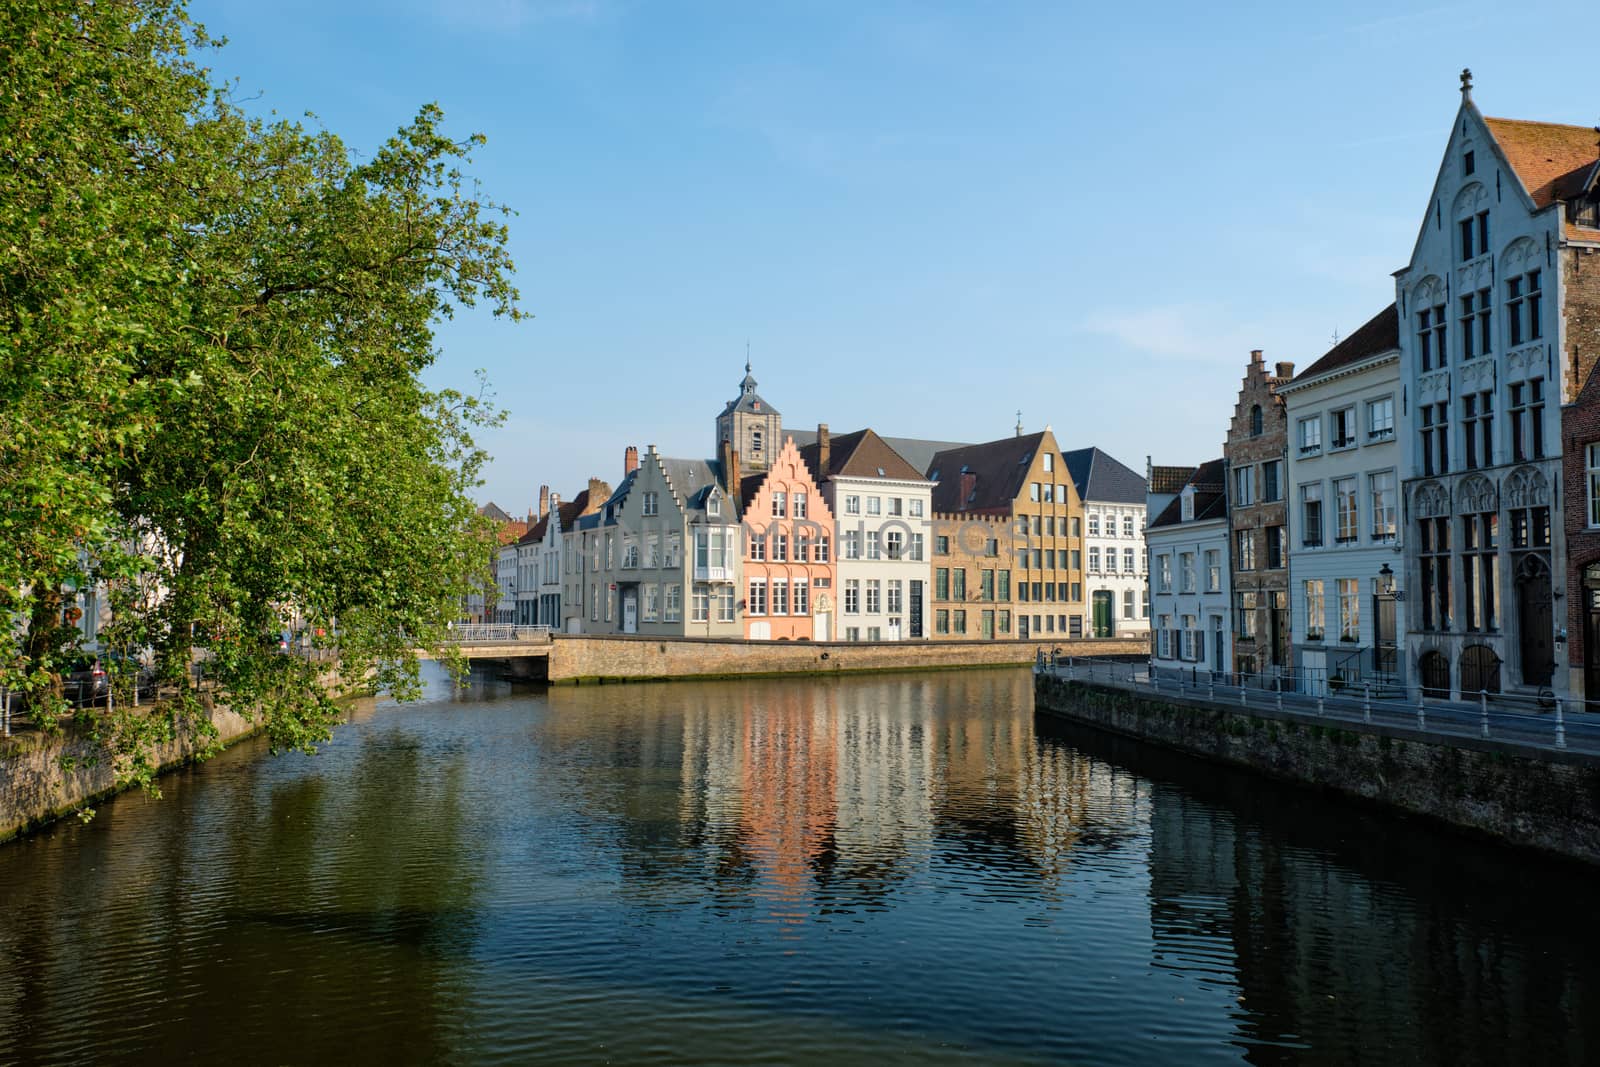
(1540, 122)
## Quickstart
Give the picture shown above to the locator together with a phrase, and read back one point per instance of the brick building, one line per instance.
(974, 557)
(1254, 452)
(1579, 260)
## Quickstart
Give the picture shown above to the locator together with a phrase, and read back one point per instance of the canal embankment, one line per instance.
(574, 659)
(1516, 790)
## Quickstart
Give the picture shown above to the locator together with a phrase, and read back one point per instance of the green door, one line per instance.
(1102, 612)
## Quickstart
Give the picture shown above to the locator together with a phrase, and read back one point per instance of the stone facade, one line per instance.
(1580, 471)
(1258, 521)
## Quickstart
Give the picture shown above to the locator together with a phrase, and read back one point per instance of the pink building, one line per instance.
(788, 553)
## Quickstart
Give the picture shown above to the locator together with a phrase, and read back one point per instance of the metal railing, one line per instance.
(486, 633)
(1534, 719)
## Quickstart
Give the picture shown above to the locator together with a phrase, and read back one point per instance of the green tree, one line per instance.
(247, 433)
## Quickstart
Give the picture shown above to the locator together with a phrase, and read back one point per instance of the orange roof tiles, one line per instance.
(1551, 160)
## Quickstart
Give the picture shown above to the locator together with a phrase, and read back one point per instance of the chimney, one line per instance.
(630, 460)
(1286, 370)
(969, 483)
(730, 474)
(599, 493)
(824, 450)
(544, 501)
(1255, 356)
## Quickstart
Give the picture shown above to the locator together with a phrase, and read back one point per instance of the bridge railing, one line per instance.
(487, 633)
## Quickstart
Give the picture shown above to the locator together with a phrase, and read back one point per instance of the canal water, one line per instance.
(870, 870)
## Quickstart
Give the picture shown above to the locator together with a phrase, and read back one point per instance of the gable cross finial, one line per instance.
(1466, 82)
(1019, 422)
(747, 357)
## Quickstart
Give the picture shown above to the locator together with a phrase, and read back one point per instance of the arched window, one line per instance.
(1480, 670)
(1434, 671)
(1255, 421)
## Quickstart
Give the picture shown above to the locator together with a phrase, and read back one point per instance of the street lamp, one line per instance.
(1386, 580)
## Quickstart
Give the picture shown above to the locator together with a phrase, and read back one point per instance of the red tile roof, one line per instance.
(1381, 333)
(1551, 160)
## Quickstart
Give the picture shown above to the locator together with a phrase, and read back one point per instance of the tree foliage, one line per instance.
(210, 395)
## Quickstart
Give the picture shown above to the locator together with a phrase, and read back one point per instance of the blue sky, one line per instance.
(921, 217)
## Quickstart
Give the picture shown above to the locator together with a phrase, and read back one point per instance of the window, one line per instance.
(896, 506)
(1315, 608)
(1127, 560)
(1186, 572)
(1474, 235)
(1477, 429)
(1127, 604)
(649, 504)
(1022, 591)
(822, 549)
(1213, 570)
(874, 545)
(652, 550)
(1592, 467)
(1347, 516)
(674, 550)
(755, 440)
(630, 552)
(941, 621)
(1033, 492)
(894, 547)
(874, 505)
(1127, 526)
(895, 599)
(1243, 483)
(780, 548)
(1076, 557)
(1094, 560)
(713, 505)
(941, 583)
(674, 609)
(1435, 438)
(1342, 428)
(852, 544)
(1003, 585)
(798, 500)
(941, 545)
(1245, 549)
(1467, 161)
(725, 603)
(1380, 419)
(1523, 299)
(1271, 484)
(1530, 528)
(1163, 638)
(1049, 461)
(1349, 609)
(1164, 573)
(652, 602)
(758, 545)
(1477, 334)
(757, 604)
(1382, 492)
(852, 633)
(852, 596)
(1433, 547)
(1244, 623)
(986, 585)
(1431, 337)
(958, 583)
(1277, 546)
(1480, 577)
(1255, 421)
(916, 547)
(916, 508)
(958, 621)
(874, 596)
(1527, 419)
(1310, 435)
(780, 505)
(700, 604)
(852, 505)
(1094, 524)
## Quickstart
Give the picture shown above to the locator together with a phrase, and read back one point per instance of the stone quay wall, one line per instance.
(43, 777)
(576, 658)
(1518, 794)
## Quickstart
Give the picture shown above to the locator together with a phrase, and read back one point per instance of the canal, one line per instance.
(868, 870)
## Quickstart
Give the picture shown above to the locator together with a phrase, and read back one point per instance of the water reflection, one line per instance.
(856, 870)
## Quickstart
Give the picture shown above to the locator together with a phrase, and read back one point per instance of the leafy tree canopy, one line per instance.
(210, 396)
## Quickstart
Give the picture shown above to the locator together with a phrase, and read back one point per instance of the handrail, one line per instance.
(474, 633)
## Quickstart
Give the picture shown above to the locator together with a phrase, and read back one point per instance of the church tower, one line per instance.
(751, 426)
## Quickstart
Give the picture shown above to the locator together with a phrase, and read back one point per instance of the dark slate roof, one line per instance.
(1099, 477)
(747, 400)
(491, 510)
(1001, 468)
(917, 451)
(860, 454)
(691, 480)
(1377, 335)
(1210, 502)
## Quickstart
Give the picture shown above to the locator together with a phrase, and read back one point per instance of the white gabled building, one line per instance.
(1186, 536)
(1115, 565)
(1345, 534)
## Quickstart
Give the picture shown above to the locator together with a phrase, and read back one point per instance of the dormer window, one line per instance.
(1585, 210)
(1186, 509)
(713, 505)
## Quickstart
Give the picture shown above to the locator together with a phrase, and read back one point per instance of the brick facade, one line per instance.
(1259, 435)
(974, 567)
(1580, 428)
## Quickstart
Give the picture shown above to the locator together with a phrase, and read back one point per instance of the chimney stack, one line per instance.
(599, 493)
(969, 483)
(730, 474)
(544, 501)
(1286, 370)
(630, 460)
(1255, 355)
(824, 450)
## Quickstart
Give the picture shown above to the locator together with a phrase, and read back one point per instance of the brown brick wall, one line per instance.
(1580, 427)
(1243, 447)
(968, 538)
(618, 658)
